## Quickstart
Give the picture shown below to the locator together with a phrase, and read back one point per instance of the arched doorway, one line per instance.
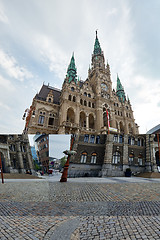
(82, 121)
(121, 127)
(130, 128)
(91, 121)
(3, 162)
(157, 158)
(70, 115)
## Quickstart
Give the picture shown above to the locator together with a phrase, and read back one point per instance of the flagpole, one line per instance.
(108, 120)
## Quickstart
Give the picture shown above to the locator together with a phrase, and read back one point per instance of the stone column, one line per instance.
(19, 154)
(87, 122)
(125, 153)
(99, 116)
(150, 163)
(126, 131)
(107, 165)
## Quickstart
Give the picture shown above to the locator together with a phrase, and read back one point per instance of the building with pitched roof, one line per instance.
(83, 107)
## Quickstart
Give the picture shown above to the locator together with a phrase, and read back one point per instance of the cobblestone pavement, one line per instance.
(75, 210)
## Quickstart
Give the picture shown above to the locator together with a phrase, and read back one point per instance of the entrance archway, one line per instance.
(70, 115)
(3, 162)
(157, 158)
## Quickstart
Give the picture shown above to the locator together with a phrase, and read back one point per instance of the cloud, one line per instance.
(12, 68)
(3, 16)
(52, 55)
(3, 105)
(5, 83)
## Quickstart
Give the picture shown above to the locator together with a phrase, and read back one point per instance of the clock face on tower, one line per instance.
(104, 87)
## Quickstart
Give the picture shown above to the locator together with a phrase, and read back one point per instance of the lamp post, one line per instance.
(69, 153)
(1, 169)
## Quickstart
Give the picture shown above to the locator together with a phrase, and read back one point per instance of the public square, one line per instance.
(82, 208)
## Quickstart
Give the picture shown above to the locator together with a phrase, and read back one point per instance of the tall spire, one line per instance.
(72, 71)
(97, 48)
(120, 90)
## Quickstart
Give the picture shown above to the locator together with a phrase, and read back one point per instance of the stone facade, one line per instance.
(82, 107)
(16, 154)
(42, 142)
(112, 154)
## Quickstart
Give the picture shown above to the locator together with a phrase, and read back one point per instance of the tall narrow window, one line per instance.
(84, 157)
(98, 140)
(115, 139)
(116, 158)
(51, 121)
(131, 159)
(93, 158)
(140, 160)
(120, 138)
(92, 139)
(41, 119)
(86, 138)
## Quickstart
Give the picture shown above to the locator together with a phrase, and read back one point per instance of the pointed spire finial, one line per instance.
(96, 32)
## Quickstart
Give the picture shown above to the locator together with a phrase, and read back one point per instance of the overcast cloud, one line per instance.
(37, 39)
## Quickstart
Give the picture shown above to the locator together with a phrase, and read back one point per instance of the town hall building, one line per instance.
(82, 107)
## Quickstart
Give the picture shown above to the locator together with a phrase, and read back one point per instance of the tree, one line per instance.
(62, 161)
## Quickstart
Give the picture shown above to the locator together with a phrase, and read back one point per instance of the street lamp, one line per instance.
(1, 169)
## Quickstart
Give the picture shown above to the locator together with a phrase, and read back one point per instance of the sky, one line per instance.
(58, 144)
(38, 37)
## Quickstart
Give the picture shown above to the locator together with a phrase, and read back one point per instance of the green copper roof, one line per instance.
(72, 71)
(120, 90)
(97, 48)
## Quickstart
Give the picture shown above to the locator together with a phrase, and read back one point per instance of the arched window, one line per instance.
(91, 121)
(85, 103)
(116, 158)
(98, 140)
(86, 138)
(82, 120)
(49, 99)
(92, 105)
(131, 159)
(120, 139)
(69, 97)
(81, 102)
(72, 89)
(132, 141)
(89, 104)
(89, 95)
(92, 137)
(84, 157)
(93, 157)
(74, 98)
(140, 160)
(115, 139)
(140, 142)
(85, 94)
(70, 115)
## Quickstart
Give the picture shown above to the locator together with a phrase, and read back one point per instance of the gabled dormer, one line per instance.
(50, 97)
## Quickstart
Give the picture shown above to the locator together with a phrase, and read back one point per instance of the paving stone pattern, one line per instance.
(74, 211)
